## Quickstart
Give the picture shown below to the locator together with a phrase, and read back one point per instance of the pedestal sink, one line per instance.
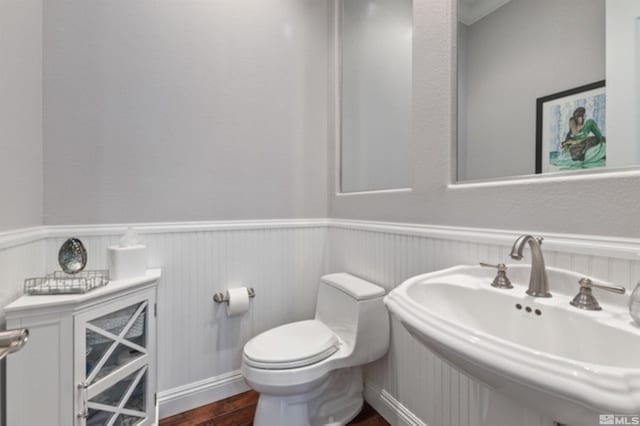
(570, 364)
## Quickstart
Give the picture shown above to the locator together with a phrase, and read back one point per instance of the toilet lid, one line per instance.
(292, 345)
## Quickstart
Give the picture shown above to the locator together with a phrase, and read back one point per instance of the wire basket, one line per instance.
(115, 322)
(62, 283)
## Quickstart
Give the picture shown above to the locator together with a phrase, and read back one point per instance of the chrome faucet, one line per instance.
(12, 341)
(538, 282)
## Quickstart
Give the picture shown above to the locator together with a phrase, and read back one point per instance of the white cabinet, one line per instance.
(90, 359)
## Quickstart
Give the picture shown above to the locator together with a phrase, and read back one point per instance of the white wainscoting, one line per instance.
(200, 347)
(21, 256)
(425, 385)
(198, 344)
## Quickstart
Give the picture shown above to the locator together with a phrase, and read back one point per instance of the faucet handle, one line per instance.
(499, 266)
(585, 298)
(587, 282)
(501, 280)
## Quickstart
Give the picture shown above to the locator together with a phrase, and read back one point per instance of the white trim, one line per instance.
(630, 172)
(157, 422)
(197, 394)
(390, 408)
(619, 247)
(173, 227)
(623, 248)
(22, 236)
(18, 237)
(374, 191)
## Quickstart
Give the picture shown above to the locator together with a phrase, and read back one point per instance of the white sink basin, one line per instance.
(569, 364)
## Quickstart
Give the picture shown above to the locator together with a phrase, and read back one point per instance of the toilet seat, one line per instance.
(292, 345)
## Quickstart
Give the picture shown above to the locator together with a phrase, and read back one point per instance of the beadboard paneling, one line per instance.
(196, 339)
(21, 258)
(200, 347)
(425, 384)
(18, 261)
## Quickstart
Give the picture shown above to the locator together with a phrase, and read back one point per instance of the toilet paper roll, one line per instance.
(238, 301)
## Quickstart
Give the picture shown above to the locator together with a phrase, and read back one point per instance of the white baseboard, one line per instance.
(390, 408)
(197, 394)
(203, 392)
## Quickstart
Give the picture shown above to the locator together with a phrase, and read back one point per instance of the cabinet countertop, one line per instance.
(66, 301)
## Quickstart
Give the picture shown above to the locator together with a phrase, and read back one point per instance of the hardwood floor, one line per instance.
(369, 417)
(238, 410)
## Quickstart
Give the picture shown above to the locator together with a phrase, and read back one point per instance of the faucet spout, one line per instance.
(538, 281)
(12, 341)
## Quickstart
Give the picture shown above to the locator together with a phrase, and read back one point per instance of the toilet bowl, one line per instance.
(309, 373)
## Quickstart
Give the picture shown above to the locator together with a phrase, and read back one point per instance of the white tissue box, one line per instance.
(127, 262)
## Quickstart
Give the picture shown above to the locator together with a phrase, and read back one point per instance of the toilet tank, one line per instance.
(353, 309)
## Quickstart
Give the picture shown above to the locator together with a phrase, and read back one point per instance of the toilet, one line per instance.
(310, 372)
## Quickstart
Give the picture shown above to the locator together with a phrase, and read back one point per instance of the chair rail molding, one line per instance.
(596, 245)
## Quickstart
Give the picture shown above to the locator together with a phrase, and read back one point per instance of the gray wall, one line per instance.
(605, 204)
(163, 110)
(525, 50)
(20, 113)
(142, 125)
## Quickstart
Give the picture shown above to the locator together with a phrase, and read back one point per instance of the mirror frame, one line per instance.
(515, 179)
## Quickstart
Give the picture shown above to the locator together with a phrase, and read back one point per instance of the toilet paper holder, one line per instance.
(224, 298)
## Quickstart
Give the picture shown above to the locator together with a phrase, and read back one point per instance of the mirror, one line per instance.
(547, 86)
(376, 45)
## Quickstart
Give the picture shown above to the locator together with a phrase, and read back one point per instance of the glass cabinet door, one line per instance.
(121, 404)
(115, 340)
(113, 363)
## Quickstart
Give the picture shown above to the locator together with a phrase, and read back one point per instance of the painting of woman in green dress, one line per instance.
(571, 129)
(584, 141)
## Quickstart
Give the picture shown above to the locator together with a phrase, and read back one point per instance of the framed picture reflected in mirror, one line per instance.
(571, 129)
